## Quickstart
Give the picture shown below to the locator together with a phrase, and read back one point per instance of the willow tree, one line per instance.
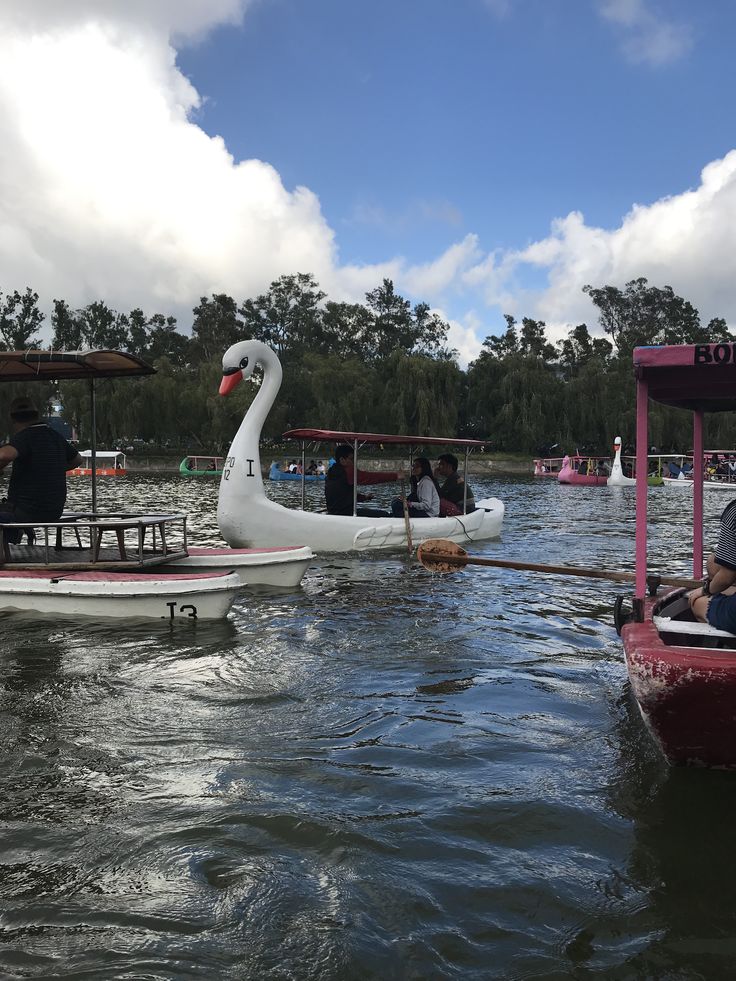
(421, 394)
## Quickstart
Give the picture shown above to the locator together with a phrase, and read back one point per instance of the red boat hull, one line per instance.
(687, 695)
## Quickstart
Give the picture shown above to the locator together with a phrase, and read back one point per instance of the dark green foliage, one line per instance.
(20, 320)
(381, 366)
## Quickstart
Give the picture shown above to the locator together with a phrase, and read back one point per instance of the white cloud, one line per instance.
(647, 35)
(686, 241)
(178, 18)
(109, 190)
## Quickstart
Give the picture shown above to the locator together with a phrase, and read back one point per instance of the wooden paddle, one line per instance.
(407, 522)
(440, 555)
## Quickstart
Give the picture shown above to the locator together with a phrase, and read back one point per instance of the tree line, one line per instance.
(383, 365)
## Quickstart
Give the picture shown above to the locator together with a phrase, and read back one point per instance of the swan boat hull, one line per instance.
(248, 519)
(119, 595)
(269, 523)
(683, 677)
(279, 567)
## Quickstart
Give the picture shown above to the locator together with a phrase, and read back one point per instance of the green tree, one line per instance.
(288, 317)
(641, 314)
(215, 328)
(20, 320)
(67, 328)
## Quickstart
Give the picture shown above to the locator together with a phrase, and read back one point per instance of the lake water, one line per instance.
(383, 774)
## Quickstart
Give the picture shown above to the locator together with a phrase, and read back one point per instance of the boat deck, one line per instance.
(120, 542)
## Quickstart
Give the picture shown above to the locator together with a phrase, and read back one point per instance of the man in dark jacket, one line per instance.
(453, 490)
(339, 485)
(40, 458)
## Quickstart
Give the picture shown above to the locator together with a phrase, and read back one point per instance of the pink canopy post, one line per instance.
(642, 445)
(698, 494)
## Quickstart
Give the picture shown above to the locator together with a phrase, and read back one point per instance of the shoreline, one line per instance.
(476, 468)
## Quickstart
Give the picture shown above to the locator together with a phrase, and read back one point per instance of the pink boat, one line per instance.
(583, 470)
(682, 672)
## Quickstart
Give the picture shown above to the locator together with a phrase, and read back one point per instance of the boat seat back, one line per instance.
(694, 627)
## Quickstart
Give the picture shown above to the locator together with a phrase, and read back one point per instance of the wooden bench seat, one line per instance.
(692, 627)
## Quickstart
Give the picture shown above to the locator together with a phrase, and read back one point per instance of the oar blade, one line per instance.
(431, 555)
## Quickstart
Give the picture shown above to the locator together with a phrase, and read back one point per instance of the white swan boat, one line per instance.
(247, 518)
(619, 479)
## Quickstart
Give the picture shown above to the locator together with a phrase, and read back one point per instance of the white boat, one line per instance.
(247, 518)
(108, 463)
(103, 572)
(109, 595)
(619, 479)
(282, 567)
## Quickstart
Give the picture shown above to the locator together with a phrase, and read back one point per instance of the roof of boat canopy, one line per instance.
(27, 366)
(698, 377)
(333, 436)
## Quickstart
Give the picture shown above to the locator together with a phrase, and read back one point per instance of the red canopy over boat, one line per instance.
(334, 436)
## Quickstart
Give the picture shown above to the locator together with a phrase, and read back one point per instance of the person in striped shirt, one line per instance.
(715, 601)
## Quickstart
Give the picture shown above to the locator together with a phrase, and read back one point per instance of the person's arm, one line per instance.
(376, 476)
(8, 453)
(76, 461)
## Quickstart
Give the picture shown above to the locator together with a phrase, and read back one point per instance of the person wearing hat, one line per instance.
(40, 458)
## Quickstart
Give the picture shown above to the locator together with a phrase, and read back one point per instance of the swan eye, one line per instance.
(243, 363)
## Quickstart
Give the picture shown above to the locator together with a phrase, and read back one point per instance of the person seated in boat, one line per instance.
(720, 584)
(321, 470)
(292, 466)
(312, 469)
(424, 499)
(453, 488)
(339, 485)
(211, 465)
(40, 458)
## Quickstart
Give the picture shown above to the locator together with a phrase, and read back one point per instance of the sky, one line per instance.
(491, 157)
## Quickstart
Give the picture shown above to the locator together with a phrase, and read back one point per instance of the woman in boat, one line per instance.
(339, 485)
(424, 500)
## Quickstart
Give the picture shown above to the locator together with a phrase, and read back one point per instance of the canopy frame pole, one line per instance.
(304, 475)
(93, 442)
(355, 477)
(642, 447)
(698, 468)
(465, 482)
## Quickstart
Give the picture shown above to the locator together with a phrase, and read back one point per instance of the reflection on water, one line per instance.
(381, 774)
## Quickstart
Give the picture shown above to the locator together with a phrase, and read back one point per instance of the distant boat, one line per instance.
(201, 466)
(276, 473)
(619, 479)
(548, 466)
(108, 463)
(584, 471)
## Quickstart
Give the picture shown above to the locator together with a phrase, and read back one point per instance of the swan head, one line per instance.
(617, 443)
(238, 362)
